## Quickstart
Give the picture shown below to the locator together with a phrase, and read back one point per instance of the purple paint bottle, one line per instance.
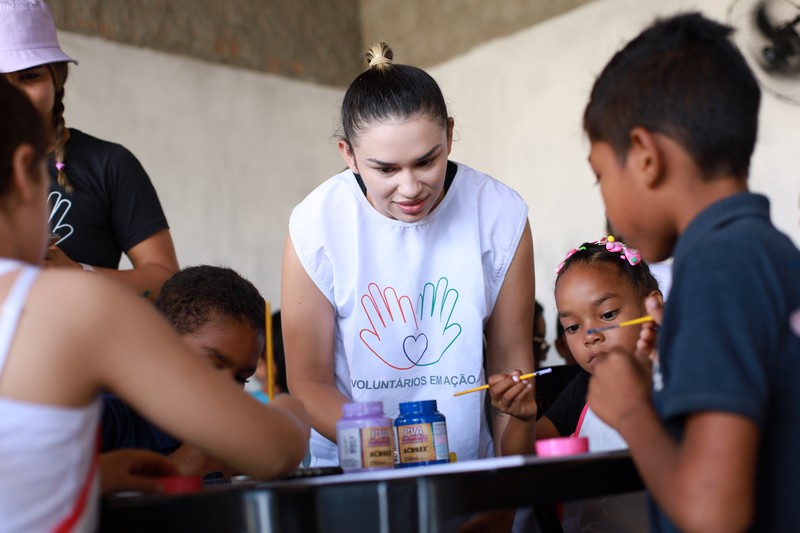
(365, 437)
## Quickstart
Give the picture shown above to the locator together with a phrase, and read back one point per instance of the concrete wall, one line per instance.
(232, 150)
(518, 103)
(425, 32)
(313, 40)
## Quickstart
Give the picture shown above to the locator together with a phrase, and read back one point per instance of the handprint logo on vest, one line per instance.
(60, 206)
(403, 336)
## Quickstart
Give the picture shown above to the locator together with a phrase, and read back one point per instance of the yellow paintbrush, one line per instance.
(524, 376)
(640, 320)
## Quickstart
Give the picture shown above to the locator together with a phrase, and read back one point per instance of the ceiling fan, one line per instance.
(768, 34)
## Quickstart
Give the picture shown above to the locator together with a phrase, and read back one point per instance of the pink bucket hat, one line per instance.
(28, 36)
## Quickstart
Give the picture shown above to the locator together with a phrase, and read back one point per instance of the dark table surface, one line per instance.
(432, 498)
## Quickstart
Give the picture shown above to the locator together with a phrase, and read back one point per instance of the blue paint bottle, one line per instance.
(421, 435)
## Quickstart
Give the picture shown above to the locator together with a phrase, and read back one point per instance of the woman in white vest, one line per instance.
(395, 269)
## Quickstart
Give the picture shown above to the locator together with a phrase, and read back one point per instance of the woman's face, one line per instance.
(592, 296)
(403, 165)
(37, 83)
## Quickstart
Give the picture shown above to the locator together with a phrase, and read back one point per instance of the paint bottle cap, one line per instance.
(421, 407)
(354, 409)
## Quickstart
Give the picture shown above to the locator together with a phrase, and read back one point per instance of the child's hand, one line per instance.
(134, 470)
(193, 462)
(646, 345)
(55, 257)
(512, 395)
(620, 385)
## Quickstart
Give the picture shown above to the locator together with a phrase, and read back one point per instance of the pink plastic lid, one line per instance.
(561, 446)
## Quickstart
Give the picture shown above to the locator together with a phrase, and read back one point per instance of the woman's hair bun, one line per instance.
(379, 55)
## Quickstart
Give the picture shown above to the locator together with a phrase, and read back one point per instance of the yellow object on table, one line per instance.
(270, 355)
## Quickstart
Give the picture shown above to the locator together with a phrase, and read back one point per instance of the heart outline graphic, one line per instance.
(415, 339)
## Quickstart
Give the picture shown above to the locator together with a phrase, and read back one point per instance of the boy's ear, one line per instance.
(645, 157)
(347, 154)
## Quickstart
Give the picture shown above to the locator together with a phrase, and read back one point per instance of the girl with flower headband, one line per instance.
(599, 284)
(102, 201)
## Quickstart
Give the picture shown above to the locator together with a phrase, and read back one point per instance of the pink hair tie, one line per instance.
(626, 253)
(630, 254)
(60, 165)
(569, 254)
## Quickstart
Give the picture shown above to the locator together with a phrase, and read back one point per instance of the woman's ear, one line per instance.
(450, 124)
(347, 154)
(644, 157)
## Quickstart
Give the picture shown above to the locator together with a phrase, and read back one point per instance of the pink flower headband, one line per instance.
(612, 245)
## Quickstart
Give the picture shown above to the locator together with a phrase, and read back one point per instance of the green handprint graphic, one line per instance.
(404, 337)
(435, 311)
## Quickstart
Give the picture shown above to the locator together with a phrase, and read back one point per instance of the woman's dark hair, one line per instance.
(592, 253)
(684, 78)
(20, 124)
(191, 297)
(386, 91)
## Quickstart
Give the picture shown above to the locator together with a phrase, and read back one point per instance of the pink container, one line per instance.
(181, 484)
(561, 446)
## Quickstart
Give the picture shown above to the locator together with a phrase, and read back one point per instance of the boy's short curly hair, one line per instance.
(191, 297)
(684, 78)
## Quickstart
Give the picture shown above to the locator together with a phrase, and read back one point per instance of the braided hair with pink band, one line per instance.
(628, 261)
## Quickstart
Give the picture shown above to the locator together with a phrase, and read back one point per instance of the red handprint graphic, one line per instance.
(389, 313)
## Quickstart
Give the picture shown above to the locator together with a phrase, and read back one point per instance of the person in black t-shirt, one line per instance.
(102, 201)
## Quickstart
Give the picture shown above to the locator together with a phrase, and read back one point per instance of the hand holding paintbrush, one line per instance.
(520, 378)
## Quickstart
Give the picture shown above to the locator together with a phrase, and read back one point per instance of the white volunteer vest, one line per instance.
(411, 300)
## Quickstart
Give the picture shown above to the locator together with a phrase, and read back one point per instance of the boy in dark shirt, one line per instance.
(219, 314)
(672, 122)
